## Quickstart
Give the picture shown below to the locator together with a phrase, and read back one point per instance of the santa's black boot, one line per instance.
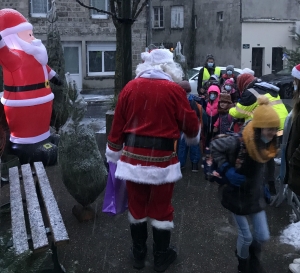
(164, 255)
(254, 258)
(243, 265)
(139, 236)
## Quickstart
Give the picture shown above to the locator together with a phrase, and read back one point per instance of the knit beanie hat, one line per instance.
(186, 86)
(244, 80)
(264, 116)
(230, 67)
(229, 82)
(296, 72)
(210, 56)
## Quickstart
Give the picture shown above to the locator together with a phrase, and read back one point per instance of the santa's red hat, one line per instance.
(296, 71)
(12, 22)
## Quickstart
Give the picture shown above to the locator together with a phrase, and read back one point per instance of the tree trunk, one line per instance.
(123, 72)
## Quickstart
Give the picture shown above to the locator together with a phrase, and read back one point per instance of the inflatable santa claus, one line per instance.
(27, 96)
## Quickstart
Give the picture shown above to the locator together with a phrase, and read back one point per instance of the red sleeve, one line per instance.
(116, 135)
(10, 60)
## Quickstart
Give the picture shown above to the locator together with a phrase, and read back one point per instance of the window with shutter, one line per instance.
(177, 17)
(158, 17)
(39, 8)
(99, 4)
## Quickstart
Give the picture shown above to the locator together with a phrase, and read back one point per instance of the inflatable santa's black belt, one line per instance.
(27, 87)
(147, 142)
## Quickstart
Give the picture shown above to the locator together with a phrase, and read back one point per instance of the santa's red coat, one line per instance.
(150, 107)
(28, 113)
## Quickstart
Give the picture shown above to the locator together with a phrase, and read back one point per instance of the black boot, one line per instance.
(243, 265)
(139, 236)
(164, 255)
(254, 260)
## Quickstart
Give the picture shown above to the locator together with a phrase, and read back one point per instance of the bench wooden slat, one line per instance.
(17, 213)
(60, 234)
(38, 231)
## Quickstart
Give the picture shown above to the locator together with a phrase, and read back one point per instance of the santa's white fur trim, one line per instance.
(112, 156)
(162, 224)
(52, 73)
(28, 102)
(296, 73)
(148, 174)
(29, 140)
(16, 29)
(194, 140)
(2, 43)
(132, 220)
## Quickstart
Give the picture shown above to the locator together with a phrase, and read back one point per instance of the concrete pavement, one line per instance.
(204, 235)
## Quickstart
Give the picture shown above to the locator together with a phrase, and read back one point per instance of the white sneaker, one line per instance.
(296, 261)
(295, 268)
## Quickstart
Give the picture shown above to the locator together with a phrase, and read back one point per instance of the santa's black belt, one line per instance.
(147, 142)
(30, 87)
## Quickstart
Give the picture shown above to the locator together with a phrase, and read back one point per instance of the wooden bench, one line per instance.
(37, 191)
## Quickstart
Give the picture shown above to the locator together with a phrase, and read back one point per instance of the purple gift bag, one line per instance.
(115, 199)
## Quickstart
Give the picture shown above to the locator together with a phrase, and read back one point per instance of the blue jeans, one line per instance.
(260, 231)
(183, 149)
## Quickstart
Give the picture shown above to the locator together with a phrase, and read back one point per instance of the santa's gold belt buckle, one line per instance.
(47, 85)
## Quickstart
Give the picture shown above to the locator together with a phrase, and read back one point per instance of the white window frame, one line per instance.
(39, 15)
(100, 15)
(177, 17)
(158, 8)
(105, 46)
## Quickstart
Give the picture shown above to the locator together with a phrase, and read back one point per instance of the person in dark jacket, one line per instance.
(291, 159)
(251, 88)
(293, 145)
(243, 161)
(183, 149)
(205, 73)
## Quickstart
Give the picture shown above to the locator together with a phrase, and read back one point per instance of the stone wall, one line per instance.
(76, 25)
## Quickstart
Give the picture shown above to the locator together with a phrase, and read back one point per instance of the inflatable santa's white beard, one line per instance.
(35, 48)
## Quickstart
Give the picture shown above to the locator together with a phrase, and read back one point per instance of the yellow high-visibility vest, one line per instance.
(206, 75)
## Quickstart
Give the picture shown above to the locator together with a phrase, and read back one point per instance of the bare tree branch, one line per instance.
(135, 16)
(135, 4)
(113, 13)
(98, 10)
(113, 10)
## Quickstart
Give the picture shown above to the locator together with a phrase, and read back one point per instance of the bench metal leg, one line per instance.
(57, 267)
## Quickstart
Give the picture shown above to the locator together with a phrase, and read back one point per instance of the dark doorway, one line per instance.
(277, 62)
(257, 60)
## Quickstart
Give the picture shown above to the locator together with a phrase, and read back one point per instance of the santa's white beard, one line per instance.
(35, 48)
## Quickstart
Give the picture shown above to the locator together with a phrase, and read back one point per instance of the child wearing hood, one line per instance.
(224, 121)
(212, 111)
(230, 88)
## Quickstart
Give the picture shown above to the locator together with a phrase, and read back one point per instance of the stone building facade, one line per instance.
(89, 40)
(239, 32)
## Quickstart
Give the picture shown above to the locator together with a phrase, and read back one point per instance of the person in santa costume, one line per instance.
(151, 112)
(27, 96)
